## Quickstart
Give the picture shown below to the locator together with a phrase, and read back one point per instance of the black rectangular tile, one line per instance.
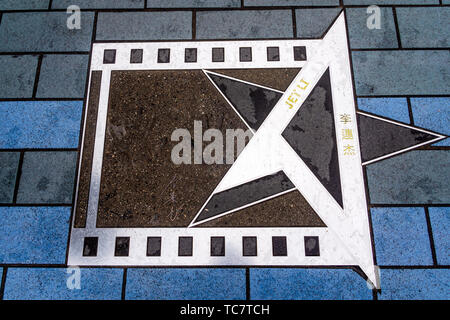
(245, 54)
(163, 55)
(273, 54)
(190, 55)
(90, 246)
(153, 246)
(136, 55)
(312, 248)
(109, 56)
(217, 246)
(122, 247)
(185, 246)
(279, 246)
(300, 53)
(218, 54)
(249, 247)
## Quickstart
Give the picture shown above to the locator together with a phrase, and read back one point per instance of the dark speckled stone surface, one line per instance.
(141, 186)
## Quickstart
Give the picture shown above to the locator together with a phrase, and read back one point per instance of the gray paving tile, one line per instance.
(415, 177)
(23, 4)
(193, 3)
(47, 177)
(291, 2)
(44, 31)
(144, 25)
(17, 75)
(98, 4)
(62, 76)
(363, 37)
(312, 23)
(402, 72)
(424, 27)
(371, 2)
(9, 163)
(247, 24)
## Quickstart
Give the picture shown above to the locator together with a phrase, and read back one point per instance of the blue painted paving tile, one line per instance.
(415, 284)
(193, 3)
(190, 284)
(23, 4)
(144, 25)
(63, 76)
(98, 4)
(59, 284)
(47, 177)
(440, 224)
(40, 124)
(291, 2)
(394, 108)
(312, 23)
(401, 236)
(34, 235)
(363, 37)
(9, 163)
(415, 177)
(402, 72)
(44, 31)
(17, 75)
(424, 27)
(307, 284)
(433, 114)
(247, 24)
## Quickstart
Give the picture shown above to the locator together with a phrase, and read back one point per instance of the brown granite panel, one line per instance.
(276, 78)
(140, 185)
(88, 150)
(288, 210)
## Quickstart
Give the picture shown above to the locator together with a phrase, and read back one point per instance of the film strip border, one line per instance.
(206, 247)
(202, 55)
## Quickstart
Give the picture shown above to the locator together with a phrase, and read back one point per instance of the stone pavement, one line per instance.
(401, 72)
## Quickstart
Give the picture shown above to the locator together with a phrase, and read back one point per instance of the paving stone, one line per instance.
(433, 114)
(375, 2)
(415, 177)
(312, 23)
(34, 235)
(55, 284)
(247, 24)
(17, 74)
(401, 72)
(47, 177)
(44, 31)
(98, 4)
(424, 27)
(63, 76)
(394, 108)
(144, 25)
(40, 124)
(401, 236)
(23, 4)
(185, 284)
(414, 284)
(363, 37)
(291, 2)
(307, 284)
(440, 224)
(9, 163)
(193, 4)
